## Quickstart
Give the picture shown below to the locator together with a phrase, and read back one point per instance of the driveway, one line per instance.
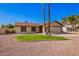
(10, 47)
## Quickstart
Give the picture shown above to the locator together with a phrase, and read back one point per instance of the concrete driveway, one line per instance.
(10, 47)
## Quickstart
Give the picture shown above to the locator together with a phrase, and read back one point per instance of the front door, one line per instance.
(40, 29)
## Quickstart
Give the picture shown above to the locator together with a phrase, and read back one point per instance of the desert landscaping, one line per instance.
(10, 47)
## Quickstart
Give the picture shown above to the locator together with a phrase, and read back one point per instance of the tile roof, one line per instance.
(55, 23)
(26, 24)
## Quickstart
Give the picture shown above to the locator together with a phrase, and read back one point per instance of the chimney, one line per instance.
(26, 21)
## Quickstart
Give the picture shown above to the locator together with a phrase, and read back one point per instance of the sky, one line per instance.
(32, 12)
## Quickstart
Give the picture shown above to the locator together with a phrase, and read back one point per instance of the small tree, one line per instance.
(3, 26)
(10, 26)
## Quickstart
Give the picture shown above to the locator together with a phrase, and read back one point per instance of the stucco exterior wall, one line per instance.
(28, 29)
(64, 29)
(18, 29)
(37, 29)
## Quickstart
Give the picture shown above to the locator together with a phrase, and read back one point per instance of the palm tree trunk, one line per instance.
(72, 26)
(75, 25)
(43, 16)
(49, 33)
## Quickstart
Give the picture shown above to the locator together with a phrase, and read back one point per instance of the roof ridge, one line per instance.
(28, 23)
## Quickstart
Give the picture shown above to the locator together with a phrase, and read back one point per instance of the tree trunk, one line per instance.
(72, 27)
(49, 33)
(75, 26)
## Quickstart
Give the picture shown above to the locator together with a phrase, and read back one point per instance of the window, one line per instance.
(23, 29)
(33, 29)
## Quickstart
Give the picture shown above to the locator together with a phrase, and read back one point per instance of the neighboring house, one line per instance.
(56, 27)
(68, 27)
(28, 27)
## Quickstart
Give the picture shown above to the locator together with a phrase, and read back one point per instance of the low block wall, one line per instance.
(2, 31)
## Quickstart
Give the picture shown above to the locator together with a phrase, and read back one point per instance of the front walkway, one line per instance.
(9, 46)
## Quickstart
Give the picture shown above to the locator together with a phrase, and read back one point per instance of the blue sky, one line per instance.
(32, 12)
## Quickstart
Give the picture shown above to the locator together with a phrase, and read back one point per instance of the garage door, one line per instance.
(56, 29)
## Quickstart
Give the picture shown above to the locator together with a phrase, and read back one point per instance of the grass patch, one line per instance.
(36, 37)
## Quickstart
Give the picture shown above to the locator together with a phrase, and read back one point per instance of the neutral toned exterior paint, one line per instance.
(18, 29)
(64, 29)
(37, 29)
(55, 27)
(28, 29)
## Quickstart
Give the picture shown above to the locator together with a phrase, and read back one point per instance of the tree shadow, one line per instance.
(65, 33)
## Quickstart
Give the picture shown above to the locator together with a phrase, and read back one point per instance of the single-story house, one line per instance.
(55, 27)
(28, 27)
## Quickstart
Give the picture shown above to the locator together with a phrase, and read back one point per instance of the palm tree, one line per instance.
(49, 33)
(73, 20)
(76, 20)
(43, 16)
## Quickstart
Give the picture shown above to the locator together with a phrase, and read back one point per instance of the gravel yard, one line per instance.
(10, 47)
